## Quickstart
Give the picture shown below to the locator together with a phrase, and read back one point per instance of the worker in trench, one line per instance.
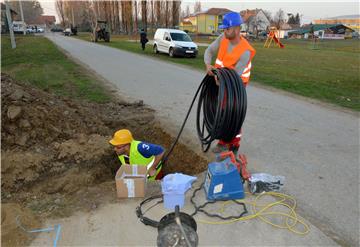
(233, 52)
(133, 152)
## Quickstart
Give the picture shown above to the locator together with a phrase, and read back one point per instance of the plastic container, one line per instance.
(174, 187)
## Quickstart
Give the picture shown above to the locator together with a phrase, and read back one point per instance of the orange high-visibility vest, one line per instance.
(229, 60)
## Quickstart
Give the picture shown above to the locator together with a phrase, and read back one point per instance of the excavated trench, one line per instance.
(55, 154)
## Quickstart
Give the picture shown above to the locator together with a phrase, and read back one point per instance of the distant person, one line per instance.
(234, 52)
(143, 39)
(36, 30)
(134, 152)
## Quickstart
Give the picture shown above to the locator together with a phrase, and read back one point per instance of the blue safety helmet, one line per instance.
(231, 19)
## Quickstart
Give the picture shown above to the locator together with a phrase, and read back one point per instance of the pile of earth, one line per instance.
(55, 153)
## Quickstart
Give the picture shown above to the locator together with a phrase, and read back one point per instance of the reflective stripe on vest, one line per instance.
(229, 60)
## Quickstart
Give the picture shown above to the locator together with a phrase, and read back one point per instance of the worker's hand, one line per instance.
(209, 69)
(151, 172)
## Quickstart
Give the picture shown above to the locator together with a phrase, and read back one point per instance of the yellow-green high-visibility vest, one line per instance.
(136, 158)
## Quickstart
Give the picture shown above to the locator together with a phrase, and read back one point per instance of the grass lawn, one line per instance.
(329, 73)
(37, 61)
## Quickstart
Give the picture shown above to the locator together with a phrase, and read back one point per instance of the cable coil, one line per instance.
(215, 120)
(223, 107)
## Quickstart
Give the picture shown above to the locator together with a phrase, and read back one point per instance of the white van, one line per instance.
(19, 26)
(174, 42)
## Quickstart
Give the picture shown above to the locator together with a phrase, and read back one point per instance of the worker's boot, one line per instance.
(219, 148)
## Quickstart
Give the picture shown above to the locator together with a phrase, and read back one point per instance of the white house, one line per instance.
(254, 21)
(285, 28)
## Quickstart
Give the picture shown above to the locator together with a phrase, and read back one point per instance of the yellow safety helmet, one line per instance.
(121, 137)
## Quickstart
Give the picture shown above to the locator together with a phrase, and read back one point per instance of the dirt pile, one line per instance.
(55, 151)
(45, 135)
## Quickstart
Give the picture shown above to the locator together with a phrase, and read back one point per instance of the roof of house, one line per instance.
(43, 19)
(246, 14)
(217, 11)
(287, 26)
(316, 27)
(211, 11)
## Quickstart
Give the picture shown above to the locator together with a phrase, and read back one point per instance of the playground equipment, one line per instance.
(272, 37)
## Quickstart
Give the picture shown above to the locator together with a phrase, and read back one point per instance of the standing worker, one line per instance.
(135, 152)
(143, 39)
(233, 52)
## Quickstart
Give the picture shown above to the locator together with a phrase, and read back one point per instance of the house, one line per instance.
(351, 21)
(322, 31)
(205, 22)
(4, 25)
(189, 23)
(285, 28)
(254, 20)
(43, 21)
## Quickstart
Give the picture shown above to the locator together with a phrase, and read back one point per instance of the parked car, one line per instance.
(67, 32)
(30, 30)
(174, 42)
(40, 30)
(56, 29)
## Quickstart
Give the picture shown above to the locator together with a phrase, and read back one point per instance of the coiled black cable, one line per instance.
(221, 109)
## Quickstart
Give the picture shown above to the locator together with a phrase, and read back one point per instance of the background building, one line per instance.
(323, 31)
(205, 22)
(351, 21)
(254, 21)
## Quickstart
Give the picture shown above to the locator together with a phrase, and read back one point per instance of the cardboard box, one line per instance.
(131, 181)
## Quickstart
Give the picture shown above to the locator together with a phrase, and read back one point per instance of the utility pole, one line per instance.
(10, 24)
(22, 16)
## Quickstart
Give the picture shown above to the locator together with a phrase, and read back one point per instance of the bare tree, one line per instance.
(197, 6)
(152, 14)
(123, 16)
(59, 5)
(187, 11)
(175, 13)
(91, 15)
(136, 16)
(31, 9)
(117, 16)
(268, 15)
(167, 7)
(129, 16)
(258, 25)
(144, 14)
(158, 12)
(279, 18)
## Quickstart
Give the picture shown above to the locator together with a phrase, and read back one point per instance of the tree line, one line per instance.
(122, 16)
(31, 9)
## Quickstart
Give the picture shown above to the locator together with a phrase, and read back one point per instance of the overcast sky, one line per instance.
(309, 10)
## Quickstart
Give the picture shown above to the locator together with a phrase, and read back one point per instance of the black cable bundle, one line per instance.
(223, 107)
